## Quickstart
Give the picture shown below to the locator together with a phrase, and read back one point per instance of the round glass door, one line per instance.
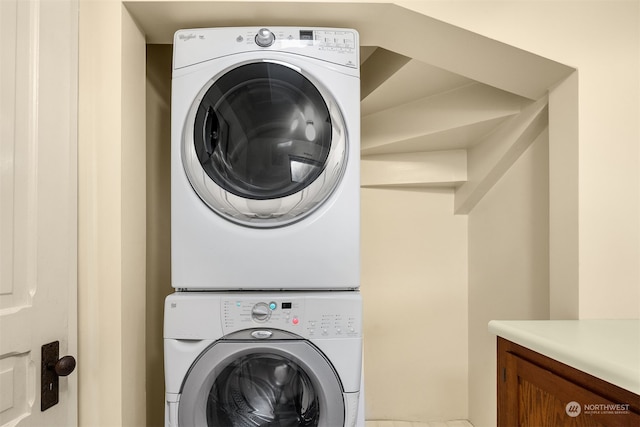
(264, 145)
(285, 383)
(263, 389)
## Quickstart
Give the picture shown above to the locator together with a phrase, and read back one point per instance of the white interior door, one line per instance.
(38, 207)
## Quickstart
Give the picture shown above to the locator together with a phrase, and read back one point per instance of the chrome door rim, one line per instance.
(203, 373)
(268, 213)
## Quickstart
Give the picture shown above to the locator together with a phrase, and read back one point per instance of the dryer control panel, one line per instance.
(335, 40)
(330, 317)
(336, 45)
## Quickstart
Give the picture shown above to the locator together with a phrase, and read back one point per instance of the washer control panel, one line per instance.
(310, 318)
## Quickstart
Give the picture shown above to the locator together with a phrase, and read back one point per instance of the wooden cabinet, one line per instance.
(536, 391)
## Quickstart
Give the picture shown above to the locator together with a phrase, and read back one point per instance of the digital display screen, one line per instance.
(306, 35)
(286, 305)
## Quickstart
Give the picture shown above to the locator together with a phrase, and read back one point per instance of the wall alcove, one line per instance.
(445, 113)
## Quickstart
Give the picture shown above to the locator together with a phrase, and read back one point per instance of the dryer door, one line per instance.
(286, 383)
(264, 144)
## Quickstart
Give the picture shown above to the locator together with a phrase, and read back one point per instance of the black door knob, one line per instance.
(64, 366)
(51, 369)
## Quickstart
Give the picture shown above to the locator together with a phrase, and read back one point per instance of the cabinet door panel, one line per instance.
(544, 399)
(534, 391)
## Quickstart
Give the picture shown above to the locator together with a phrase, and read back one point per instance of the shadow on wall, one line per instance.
(158, 221)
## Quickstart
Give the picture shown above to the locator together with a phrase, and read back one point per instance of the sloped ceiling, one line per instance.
(431, 92)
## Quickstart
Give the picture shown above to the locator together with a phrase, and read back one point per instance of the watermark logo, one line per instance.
(607, 408)
(573, 409)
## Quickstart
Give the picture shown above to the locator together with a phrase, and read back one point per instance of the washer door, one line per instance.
(286, 383)
(264, 144)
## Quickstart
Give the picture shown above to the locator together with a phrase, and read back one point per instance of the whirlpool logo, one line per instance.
(573, 409)
(187, 37)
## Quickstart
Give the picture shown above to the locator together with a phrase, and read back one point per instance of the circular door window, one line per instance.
(263, 389)
(285, 383)
(264, 145)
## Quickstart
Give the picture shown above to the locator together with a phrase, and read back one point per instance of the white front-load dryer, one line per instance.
(265, 159)
(285, 359)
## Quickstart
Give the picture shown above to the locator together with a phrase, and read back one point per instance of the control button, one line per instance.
(265, 38)
(338, 330)
(261, 335)
(325, 332)
(260, 312)
(273, 305)
(295, 321)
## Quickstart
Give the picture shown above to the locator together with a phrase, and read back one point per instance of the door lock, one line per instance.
(52, 368)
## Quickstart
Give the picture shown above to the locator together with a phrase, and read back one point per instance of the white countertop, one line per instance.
(606, 349)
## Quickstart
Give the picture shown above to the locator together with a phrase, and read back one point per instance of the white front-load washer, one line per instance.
(265, 158)
(263, 359)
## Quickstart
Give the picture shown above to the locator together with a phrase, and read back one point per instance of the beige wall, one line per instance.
(508, 267)
(414, 286)
(111, 217)
(133, 198)
(602, 40)
(599, 38)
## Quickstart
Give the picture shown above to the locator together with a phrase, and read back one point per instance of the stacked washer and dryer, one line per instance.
(265, 326)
